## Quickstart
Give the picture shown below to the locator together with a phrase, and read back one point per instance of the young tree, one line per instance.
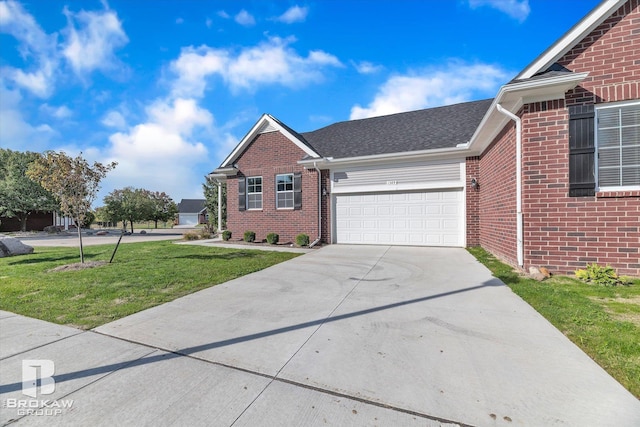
(163, 208)
(72, 181)
(19, 195)
(210, 188)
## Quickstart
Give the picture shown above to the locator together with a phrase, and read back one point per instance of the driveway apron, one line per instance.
(344, 335)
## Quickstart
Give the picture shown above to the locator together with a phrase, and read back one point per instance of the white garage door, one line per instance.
(188, 219)
(433, 218)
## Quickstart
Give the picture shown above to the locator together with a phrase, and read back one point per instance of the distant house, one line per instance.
(545, 174)
(37, 221)
(192, 212)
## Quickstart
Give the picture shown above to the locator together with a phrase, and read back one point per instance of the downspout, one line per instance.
(519, 230)
(219, 184)
(315, 242)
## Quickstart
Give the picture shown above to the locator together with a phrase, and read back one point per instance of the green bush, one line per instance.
(603, 276)
(249, 236)
(273, 238)
(302, 239)
(226, 235)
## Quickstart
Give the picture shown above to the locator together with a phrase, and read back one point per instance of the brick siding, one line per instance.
(268, 155)
(564, 233)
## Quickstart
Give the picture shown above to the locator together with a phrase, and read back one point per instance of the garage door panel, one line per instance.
(431, 218)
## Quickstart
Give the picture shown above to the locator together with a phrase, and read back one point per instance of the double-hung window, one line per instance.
(254, 192)
(618, 146)
(284, 191)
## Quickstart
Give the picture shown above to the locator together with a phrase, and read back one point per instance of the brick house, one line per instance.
(545, 174)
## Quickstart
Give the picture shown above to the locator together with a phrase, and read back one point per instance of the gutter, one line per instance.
(315, 242)
(519, 228)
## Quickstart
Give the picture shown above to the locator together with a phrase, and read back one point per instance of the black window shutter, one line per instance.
(582, 178)
(297, 191)
(242, 196)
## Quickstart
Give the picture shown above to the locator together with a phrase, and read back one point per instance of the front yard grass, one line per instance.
(142, 275)
(603, 321)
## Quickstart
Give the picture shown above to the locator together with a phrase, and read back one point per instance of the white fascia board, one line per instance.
(438, 153)
(571, 38)
(255, 130)
(512, 97)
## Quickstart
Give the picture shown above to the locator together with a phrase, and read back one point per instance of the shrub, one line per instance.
(273, 238)
(205, 233)
(226, 235)
(302, 239)
(191, 236)
(249, 236)
(603, 276)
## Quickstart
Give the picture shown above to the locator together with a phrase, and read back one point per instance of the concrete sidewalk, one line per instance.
(345, 335)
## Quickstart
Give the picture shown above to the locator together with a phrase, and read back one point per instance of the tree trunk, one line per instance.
(80, 240)
(131, 221)
(23, 222)
(156, 221)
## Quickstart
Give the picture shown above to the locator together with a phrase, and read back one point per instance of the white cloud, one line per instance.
(294, 14)
(92, 39)
(208, 22)
(61, 112)
(160, 153)
(365, 67)
(34, 46)
(457, 82)
(179, 21)
(517, 9)
(15, 132)
(270, 62)
(245, 19)
(222, 14)
(114, 119)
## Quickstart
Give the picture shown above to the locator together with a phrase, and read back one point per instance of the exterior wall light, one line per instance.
(474, 183)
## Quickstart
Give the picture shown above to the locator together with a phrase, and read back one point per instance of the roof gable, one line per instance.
(268, 123)
(572, 37)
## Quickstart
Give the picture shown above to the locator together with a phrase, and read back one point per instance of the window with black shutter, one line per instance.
(582, 179)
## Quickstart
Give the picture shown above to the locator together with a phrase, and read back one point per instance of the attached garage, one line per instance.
(408, 204)
(431, 218)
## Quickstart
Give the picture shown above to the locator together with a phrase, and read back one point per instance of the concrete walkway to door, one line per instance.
(345, 335)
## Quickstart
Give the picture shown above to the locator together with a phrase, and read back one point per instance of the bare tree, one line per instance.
(72, 181)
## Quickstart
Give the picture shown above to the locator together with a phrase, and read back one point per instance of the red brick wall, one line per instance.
(497, 196)
(268, 155)
(472, 166)
(564, 233)
(37, 221)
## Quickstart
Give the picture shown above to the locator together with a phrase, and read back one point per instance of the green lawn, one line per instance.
(142, 275)
(603, 321)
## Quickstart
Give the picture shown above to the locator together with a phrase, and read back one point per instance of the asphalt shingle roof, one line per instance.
(191, 205)
(441, 127)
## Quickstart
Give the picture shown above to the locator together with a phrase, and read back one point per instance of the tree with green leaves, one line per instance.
(163, 208)
(128, 205)
(19, 195)
(210, 188)
(73, 182)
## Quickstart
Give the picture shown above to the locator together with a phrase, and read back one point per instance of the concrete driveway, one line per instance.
(345, 335)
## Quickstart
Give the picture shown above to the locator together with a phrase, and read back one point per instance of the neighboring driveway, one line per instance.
(345, 335)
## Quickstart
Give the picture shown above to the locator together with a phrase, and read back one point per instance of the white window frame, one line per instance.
(285, 191)
(597, 160)
(254, 193)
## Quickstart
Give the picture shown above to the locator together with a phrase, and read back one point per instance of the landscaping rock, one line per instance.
(102, 233)
(545, 271)
(10, 246)
(143, 232)
(536, 274)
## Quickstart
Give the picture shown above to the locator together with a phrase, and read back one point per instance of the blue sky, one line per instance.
(167, 88)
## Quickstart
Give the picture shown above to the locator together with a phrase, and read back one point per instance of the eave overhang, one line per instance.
(512, 97)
